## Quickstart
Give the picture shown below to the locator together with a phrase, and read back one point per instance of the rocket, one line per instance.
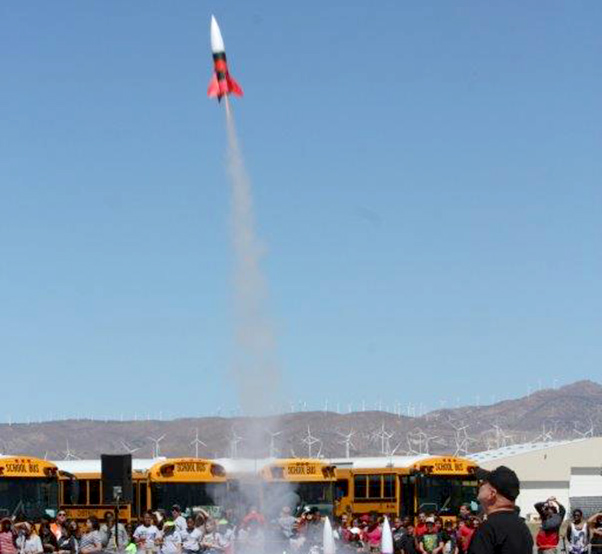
(221, 83)
(328, 544)
(386, 538)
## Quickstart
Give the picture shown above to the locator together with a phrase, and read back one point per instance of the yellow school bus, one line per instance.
(192, 483)
(28, 487)
(81, 490)
(405, 485)
(298, 483)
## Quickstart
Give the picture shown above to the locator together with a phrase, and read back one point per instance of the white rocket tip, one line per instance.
(386, 539)
(328, 544)
(217, 42)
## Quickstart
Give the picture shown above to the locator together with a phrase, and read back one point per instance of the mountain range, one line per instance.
(571, 411)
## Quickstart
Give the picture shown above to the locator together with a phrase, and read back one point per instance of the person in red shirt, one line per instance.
(373, 535)
(466, 532)
(7, 537)
(552, 513)
(420, 528)
(253, 515)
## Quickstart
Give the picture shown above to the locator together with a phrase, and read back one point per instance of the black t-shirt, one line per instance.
(398, 535)
(408, 544)
(502, 533)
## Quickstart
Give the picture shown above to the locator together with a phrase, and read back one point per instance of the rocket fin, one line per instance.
(234, 87)
(213, 89)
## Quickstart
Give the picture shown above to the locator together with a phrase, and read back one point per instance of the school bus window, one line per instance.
(71, 491)
(94, 492)
(136, 498)
(66, 487)
(342, 488)
(374, 482)
(389, 486)
(359, 483)
(82, 494)
(143, 493)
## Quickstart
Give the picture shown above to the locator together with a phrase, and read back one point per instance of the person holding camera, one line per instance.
(595, 526)
(551, 513)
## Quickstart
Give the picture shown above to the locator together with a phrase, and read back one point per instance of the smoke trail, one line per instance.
(256, 371)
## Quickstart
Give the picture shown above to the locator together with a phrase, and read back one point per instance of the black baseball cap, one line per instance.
(502, 479)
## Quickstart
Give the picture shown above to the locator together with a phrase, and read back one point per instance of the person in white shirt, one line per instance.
(178, 518)
(108, 535)
(147, 535)
(91, 543)
(27, 541)
(171, 542)
(577, 534)
(191, 537)
(213, 542)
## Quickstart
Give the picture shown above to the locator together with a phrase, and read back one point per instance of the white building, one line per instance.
(568, 470)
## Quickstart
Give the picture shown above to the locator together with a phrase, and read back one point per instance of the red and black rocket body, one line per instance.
(221, 83)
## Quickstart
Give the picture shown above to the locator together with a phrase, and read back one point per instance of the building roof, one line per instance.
(517, 449)
(94, 466)
(544, 461)
(380, 462)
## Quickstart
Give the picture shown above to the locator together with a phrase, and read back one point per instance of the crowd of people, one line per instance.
(429, 534)
(496, 529)
(172, 533)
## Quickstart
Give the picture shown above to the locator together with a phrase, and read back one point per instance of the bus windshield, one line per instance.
(188, 495)
(315, 493)
(445, 495)
(31, 497)
(298, 495)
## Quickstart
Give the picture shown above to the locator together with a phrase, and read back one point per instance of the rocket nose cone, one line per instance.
(217, 42)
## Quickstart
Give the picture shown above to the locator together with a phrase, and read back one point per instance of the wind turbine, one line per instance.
(69, 455)
(385, 440)
(431, 438)
(128, 448)
(500, 437)
(310, 440)
(347, 442)
(546, 434)
(273, 449)
(420, 438)
(319, 454)
(395, 449)
(461, 438)
(157, 448)
(234, 442)
(587, 433)
(197, 442)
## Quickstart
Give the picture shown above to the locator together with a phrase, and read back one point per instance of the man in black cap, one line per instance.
(503, 532)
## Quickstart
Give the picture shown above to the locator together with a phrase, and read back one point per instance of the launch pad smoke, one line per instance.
(255, 368)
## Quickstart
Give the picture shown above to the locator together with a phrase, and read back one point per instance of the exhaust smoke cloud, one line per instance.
(256, 371)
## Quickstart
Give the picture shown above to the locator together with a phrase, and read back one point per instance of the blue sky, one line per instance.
(426, 179)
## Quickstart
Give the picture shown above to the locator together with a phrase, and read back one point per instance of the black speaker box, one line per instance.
(116, 472)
